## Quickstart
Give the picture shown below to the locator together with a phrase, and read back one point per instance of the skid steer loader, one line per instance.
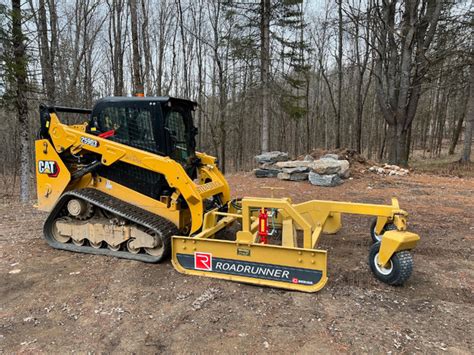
(129, 183)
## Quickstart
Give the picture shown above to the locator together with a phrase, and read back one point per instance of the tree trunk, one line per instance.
(47, 66)
(466, 154)
(116, 44)
(457, 130)
(21, 102)
(136, 66)
(148, 73)
(265, 71)
(398, 144)
(339, 78)
(183, 49)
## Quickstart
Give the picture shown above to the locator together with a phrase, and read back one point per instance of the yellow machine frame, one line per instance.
(312, 218)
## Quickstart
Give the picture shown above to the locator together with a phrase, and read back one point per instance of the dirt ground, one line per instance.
(56, 302)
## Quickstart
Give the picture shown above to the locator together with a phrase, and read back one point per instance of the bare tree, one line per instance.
(116, 43)
(340, 74)
(21, 101)
(47, 49)
(466, 154)
(404, 32)
(361, 22)
(265, 8)
(137, 77)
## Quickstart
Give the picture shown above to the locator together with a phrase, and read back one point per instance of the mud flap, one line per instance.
(393, 241)
(266, 265)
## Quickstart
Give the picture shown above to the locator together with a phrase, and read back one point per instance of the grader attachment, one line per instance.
(277, 243)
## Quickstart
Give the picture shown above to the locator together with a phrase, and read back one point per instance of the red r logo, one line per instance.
(295, 280)
(203, 261)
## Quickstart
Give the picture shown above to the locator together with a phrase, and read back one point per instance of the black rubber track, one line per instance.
(139, 216)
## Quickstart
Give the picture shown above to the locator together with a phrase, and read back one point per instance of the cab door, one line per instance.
(134, 124)
(177, 132)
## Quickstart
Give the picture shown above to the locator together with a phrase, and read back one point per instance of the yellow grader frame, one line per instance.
(294, 264)
(291, 260)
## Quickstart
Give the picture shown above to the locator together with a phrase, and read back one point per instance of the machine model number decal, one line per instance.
(48, 167)
(89, 141)
(203, 261)
(206, 262)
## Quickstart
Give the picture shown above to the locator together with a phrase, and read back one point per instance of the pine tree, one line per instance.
(263, 30)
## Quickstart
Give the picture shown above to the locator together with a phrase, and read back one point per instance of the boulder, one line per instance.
(268, 166)
(330, 166)
(330, 156)
(271, 157)
(324, 180)
(294, 164)
(298, 169)
(345, 171)
(297, 176)
(266, 173)
(308, 157)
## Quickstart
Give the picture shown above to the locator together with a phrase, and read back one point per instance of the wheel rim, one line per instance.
(79, 243)
(58, 236)
(381, 269)
(158, 249)
(378, 237)
(131, 249)
(95, 245)
(80, 209)
(113, 248)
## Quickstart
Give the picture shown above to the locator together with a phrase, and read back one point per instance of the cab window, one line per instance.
(175, 125)
(132, 125)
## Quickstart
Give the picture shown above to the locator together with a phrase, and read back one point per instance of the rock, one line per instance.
(324, 180)
(298, 176)
(380, 170)
(266, 173)
(271, 157)
(329, 166)
(283, 176)
(294, 164)
(330, 156)
(344, 172)
(207, 296)
(308, 157)
(298, 169)
(267, 166)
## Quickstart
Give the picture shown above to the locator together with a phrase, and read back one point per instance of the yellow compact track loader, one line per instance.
(128, 183)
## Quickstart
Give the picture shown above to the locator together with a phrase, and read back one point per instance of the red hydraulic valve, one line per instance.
(263, 226)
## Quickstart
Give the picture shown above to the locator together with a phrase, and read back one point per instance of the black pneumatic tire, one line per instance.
(376, 238)
(401, 266)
